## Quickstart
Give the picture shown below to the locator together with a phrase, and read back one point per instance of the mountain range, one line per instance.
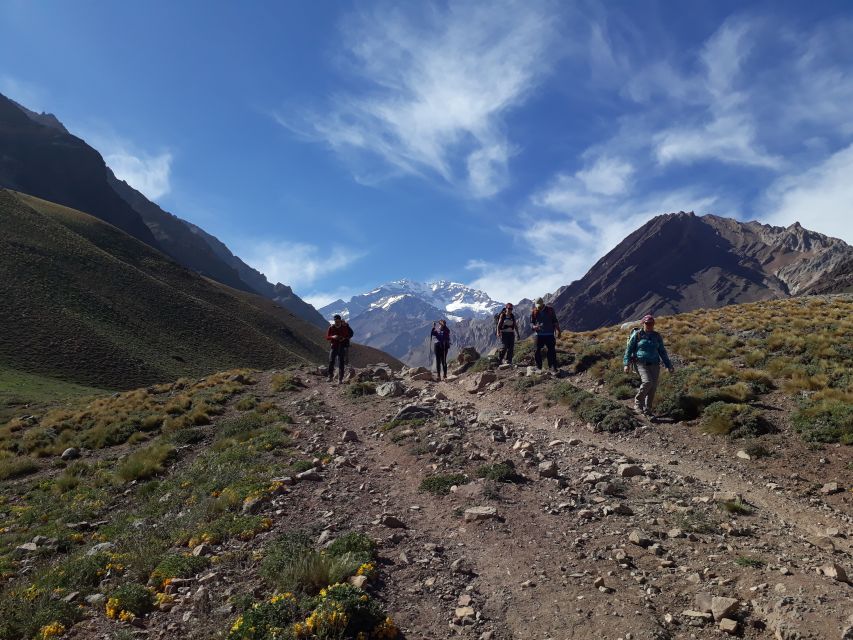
(41, 158)
(397, 317)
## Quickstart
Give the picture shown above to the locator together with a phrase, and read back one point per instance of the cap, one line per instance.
(648, 318)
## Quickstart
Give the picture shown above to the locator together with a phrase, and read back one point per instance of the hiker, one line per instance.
(507, 331)
(645, 349)
(441, 345)
(338, 335)
(546, 325)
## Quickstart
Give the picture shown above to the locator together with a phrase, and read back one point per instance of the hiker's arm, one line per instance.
(664, 355)
(632, 345)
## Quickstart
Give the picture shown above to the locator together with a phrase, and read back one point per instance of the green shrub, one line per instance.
(187, 436)
(734, 420)
(746, 561)
(242, 427)
(440, 485)
(827, 421)
(604, 413)
(178, 566)
(145, 463)
(268, 620)
(246, 403)
(486, 363)
(22, 615)
(16, 466)
(132, 597)
(411, 424)
(735, 506)
(286, 382)
(591, 354)
(756, 450)
(500, 472)
(362, 616)
(359, 389)
(353, 542)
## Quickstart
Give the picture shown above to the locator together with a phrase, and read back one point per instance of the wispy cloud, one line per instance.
(297, 264)
(24, 93)
(820, 198)
(437, 88)
(145, 173)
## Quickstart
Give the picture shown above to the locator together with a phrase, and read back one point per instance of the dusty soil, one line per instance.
(557, 560)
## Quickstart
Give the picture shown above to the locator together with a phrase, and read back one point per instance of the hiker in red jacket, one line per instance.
(338, 335)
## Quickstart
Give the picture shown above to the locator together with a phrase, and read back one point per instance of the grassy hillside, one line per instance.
(729, 361)
(20, 390)
(85, 302)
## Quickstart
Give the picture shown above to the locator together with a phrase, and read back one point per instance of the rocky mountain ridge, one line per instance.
(40, 157)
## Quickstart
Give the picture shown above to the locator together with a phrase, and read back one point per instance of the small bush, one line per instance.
(696, 522)
(359, 389)
(353, 542)
(266, 620)
(735, 506)
(145, 463)
(500, 472)
(16, 466)
(734, 420)
(606, 414)
(484, 364)
(246, 403)
(23, 614)
(756, 450)
(440, 485)
(590, 355)
(752, 563)
(409, 424)
(187, 436)
(178, 566)
(131, 597)
(826, 420)
(286, 382)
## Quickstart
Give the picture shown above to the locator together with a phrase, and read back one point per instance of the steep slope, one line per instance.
(42, 158)
(38, 156)
(85, 302)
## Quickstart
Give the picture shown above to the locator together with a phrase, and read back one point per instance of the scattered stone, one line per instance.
(743, 455)
(253, 505)
(548, 469)
(561, 423)
(464, 612)
(95, 599)
(480, 381)
(27, 547)
(629, 471)
(834, 571)
(392, 522)
(464, 600)
(697, 615)
(829, 488)
(391, 389)
(474, 514)
(101, 547)
(636, 537)
(311, 474)
(729, 626)
(704, 602)
(202, 550)
(415, 412)
(424, 375)
(71, 453)
(358, 581)
(349, 436)
(722, 607)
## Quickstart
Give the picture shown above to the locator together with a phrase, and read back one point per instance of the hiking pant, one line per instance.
(339, 352)
(550, 343)
(440, 359)
(508, 340)
(649, 374)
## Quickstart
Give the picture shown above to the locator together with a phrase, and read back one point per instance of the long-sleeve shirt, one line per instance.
(441, 336)
(338, 336)
(647, 347)
(546, 319)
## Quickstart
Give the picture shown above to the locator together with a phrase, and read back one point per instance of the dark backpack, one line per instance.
(498, 317)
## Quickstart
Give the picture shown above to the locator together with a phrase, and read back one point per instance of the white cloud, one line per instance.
(145, 173)
(608, 176)
(297, 264)
(438, 89)
(820, 199)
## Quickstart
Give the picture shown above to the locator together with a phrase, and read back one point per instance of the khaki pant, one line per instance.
(649, 374)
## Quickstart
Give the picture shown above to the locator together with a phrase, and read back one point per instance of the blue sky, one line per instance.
(507, 145)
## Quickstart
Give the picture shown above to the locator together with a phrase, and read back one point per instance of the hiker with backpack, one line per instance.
(506, 328)
(441, 345)
(547, 328)
(338, 334)
(645, 350)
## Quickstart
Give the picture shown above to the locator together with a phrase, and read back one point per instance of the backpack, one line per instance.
(498, 317)
(350, 332)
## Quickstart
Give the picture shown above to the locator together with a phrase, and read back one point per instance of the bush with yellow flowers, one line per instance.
(50, 631)
(268, 620)
(177, 566)
(128, 601)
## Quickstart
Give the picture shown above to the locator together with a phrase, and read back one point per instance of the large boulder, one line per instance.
(415, 412)
(480, 381)
(468, 355)
(391, 389)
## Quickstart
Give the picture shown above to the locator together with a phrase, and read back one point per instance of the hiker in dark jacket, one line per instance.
(645, 348)
(441, 345)
(507, 331)
(547, 328)
(338, 335)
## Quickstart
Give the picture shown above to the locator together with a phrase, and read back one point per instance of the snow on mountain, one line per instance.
(451, 299)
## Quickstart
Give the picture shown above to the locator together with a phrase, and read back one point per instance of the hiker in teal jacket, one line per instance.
(645, 348)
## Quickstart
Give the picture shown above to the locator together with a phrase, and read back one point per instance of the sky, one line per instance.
(507, 145)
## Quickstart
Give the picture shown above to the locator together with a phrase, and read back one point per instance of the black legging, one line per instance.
(550, 344)
(440, 358)
(508, 340)
(339, 352)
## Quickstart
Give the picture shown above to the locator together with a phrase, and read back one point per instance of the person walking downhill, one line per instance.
(441, 345)
(338, 335)
(546, 325)
(507, 331)
(645, 348)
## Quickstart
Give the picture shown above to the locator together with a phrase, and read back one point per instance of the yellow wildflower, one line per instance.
(52, 630)
(126, 616)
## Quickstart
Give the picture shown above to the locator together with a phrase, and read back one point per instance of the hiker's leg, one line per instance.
(333, 352)
(552, 352)
(342, 358)
(509, 346)
(444, 359)
(645, 384)
(438, 349)
(538, 354)
(654, 376)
